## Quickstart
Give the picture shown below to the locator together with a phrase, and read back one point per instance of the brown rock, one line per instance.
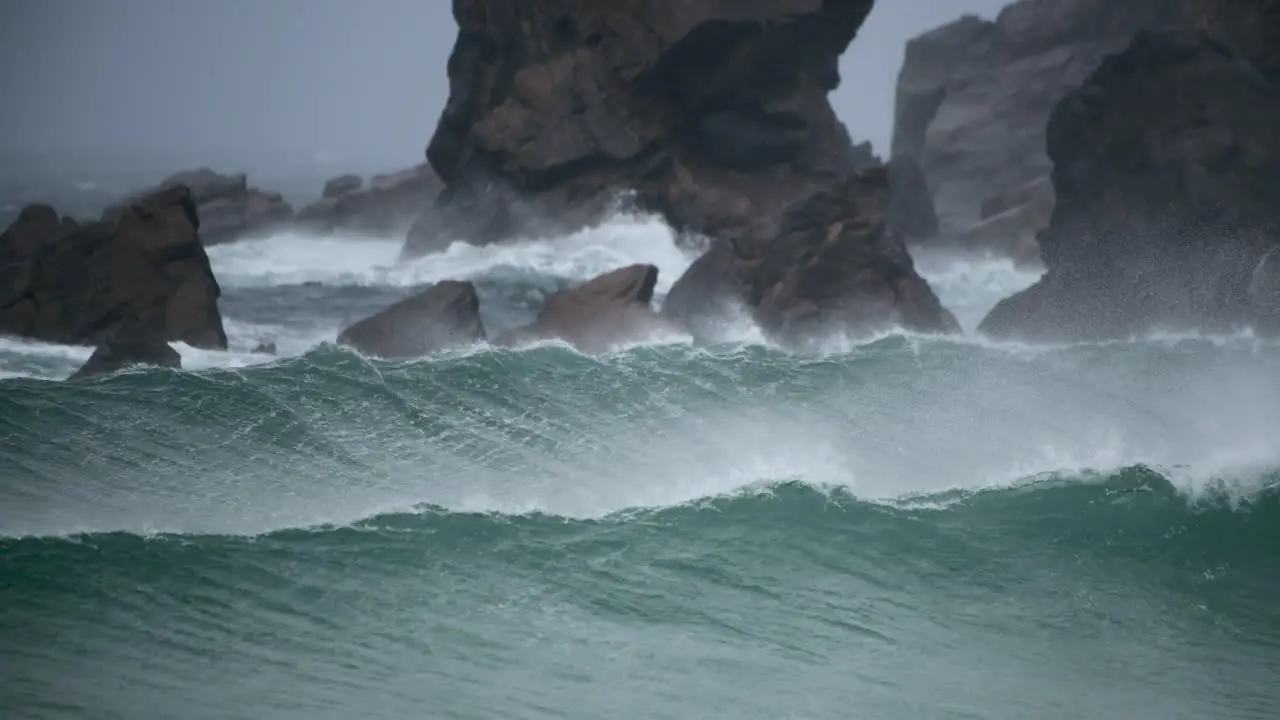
(389, 204)
(228, 208)
(142, 264)
(1167, 174)
(830, 266)
(599, 315)
(442, 317)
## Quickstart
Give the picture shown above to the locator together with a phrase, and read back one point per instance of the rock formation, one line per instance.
(442, 317)
(828, 265)
(389, 204)
(594, 317)
(228, 208)
(974, 96)
(127, 347)
(1167, 178)
(713, 114)
(143, 264)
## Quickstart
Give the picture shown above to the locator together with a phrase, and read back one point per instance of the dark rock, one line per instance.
(342, 185)
(831, 265)
(1167, 176)
(974, 96)
(389, 204)
(129, 347)
(143, 263)
(910, 211)
(442, 317)
(599, 315)
(713, 113)
(228, 208)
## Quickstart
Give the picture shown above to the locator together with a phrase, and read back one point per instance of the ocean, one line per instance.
(906, 527)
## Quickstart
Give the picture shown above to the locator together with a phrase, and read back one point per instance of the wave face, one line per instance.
(914, 527)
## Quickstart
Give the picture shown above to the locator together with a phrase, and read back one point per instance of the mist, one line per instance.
(267, 86)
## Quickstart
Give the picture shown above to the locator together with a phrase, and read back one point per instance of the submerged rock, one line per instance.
(129, 347)
(829, 265)
(228, 208)
(609, 310)
(142, 263)
(442, 317)
(1167, 176)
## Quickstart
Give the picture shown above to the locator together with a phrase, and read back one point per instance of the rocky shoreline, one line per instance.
(1130, 148)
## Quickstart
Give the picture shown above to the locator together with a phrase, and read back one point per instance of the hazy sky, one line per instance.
(227, 81)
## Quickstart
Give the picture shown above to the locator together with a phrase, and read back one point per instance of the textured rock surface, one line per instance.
(143, 264)
(974, 96)
(442, 317)
(1167, 177)
(228, 208)
(828, 265)
(607, 311)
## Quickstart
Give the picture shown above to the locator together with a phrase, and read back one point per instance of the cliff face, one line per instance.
(713, 112)
(974, 96)
(1167, 177)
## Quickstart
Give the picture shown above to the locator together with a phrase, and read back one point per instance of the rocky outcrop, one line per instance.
(712, 114)
(390, 203)
(1167, 179)
(442, 317)
(143, 264)
(828, 265)
(608, 311)
(129, 347)
(974, 96)
(228, 208)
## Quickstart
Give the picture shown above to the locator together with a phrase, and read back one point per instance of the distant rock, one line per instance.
(129, 347)
(442, 317)
(265, 348)
(342, 185)
(390, 203)
(143, 264)
(829, 265)
(1167, 176)
(974, 96)
(599, 315)
(228, 208)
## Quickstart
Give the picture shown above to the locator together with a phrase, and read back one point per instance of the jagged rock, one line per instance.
(608, 311)
(342, 185)
(829, 265)
(910, 211)
(142, 263)
(974, 96)
(389, 204)
(228, 208)
(129, 347)
(1167, 176)
(713, 113)
(442, 317)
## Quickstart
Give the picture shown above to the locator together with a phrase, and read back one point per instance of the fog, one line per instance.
(255, 85)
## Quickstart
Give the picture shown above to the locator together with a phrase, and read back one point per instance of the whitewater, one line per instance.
(908, 526)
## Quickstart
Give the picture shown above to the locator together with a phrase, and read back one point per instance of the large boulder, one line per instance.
(610, 310)
(389, 204)
(129, 347)
(828, 265)
(974, 96)
(442, 317)
(143, 264)
(228, 207)
(1167, 177)
(713, 113)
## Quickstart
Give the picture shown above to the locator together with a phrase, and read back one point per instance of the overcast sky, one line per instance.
(359, 81)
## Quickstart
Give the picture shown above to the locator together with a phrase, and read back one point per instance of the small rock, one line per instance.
(444, 316)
